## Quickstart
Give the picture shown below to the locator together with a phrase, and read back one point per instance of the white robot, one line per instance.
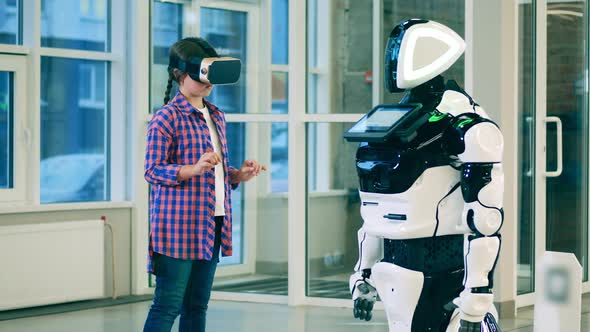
(431, 187)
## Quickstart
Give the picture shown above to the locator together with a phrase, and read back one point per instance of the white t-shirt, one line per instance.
(219, 173)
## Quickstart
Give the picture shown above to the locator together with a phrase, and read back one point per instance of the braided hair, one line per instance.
(185, 49)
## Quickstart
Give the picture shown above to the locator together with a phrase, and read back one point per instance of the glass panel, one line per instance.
(448, 12)
(260, 217)
(6, 130)
(236, 132)
(280, 86)
(74, 123)
(86, 27)
(166, 30)
(279, 166)
(341, 74)
(10, 22)
(567, 70)
(280, 32)
(526, 148)
(227, 31)
(333, 208)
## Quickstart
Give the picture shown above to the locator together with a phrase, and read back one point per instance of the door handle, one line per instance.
(557, 172)
(528, 120)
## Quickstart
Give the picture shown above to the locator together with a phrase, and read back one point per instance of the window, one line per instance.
(164, 34)
(93, 9)
(6, 130)
(86, 27)
(92, 86)
(448, 12)
(74, 128)
(10, 22)
(279, 167)
(280, 32)
(11, 4)
(14, 134)
(226, 31)
(279, 92)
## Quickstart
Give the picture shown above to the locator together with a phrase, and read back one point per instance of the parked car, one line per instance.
(73, 178)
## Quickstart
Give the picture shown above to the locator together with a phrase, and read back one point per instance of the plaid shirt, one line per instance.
(182, 212)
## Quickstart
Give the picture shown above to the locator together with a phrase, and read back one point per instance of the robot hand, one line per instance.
(364, 295)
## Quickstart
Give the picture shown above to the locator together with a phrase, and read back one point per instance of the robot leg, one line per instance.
(489, 323)
(399, 290)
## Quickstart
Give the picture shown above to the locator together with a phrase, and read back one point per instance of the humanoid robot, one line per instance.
(431, 187)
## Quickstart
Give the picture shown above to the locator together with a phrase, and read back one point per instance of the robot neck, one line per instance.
(428, 92)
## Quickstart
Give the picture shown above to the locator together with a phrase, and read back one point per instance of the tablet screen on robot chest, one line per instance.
(381, 122)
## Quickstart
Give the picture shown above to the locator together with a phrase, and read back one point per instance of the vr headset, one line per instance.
(214, 70)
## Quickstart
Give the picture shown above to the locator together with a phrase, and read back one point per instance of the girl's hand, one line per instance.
(250, 169)
(207, 161)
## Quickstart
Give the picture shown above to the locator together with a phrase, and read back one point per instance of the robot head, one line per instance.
(417, 51)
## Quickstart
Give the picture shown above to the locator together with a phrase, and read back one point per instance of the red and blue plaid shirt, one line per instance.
(182, 213)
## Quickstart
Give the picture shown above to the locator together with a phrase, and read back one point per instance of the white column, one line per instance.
(491, 78)
(297, 170)
(138, 104)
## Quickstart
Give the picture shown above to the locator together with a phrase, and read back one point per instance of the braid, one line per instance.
(168, 88)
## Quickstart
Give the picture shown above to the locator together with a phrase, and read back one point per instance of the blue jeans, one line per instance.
(182, 287)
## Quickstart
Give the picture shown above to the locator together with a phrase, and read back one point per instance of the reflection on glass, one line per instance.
(567, 195)
(259, 217)
(74, 115)
(526, 157)
(448, 12)
(86, 27)
(236, 133)
(227, 31)
(6, 125)
(9, 22)
(341, 74)
(166, 30)
(279, 88)
(333, 210)
(279, 157)
(280, 32)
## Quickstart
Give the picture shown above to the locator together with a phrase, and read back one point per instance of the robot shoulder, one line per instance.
(454, 103)
(475, 139)
(457, 102)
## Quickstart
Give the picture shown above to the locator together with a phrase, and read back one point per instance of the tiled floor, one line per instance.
(236, 317)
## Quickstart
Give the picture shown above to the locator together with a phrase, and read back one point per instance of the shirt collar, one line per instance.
(183, 105)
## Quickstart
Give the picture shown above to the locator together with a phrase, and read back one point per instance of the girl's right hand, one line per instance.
(207, 161)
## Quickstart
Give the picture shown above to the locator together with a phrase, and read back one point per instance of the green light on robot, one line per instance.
(464, 122)
(436, 117)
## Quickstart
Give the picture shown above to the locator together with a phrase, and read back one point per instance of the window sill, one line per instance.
(23, 208)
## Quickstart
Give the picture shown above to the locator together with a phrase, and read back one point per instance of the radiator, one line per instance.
(51, 263)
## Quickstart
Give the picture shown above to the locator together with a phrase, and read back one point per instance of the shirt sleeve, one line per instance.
(158, 171)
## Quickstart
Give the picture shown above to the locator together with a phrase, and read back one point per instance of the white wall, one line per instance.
(492, 81)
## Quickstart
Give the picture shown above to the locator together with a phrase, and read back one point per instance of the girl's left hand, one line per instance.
(250, 169)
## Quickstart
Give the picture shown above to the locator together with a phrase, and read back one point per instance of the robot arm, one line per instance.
(482, 185)
(362, 288)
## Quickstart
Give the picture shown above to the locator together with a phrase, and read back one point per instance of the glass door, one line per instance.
(553, 134)
(567, 124)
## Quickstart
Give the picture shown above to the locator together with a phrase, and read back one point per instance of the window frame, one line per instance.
(115, 101)
(21, 136)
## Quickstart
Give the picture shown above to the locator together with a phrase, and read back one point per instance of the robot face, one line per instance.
(418, 51)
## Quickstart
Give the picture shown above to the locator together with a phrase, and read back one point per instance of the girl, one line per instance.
(187, 166)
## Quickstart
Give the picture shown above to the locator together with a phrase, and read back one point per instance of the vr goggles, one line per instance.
(214, 70)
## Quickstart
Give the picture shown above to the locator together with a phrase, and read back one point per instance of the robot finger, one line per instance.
(356, 309)
(369, 316)
(366, 307)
